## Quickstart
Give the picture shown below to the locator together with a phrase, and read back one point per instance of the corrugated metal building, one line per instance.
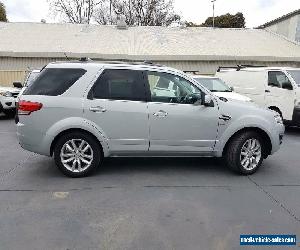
(32, 45)
(287, 26)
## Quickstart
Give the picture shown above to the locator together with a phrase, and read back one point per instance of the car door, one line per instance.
(280, 93)
(116, 103)
(176, 124)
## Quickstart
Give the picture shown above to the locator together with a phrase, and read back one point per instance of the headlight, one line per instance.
(6, 94)
(278, 119)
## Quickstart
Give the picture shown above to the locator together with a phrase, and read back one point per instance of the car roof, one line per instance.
(115, 64)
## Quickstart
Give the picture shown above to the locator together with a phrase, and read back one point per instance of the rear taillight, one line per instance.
(26, 107)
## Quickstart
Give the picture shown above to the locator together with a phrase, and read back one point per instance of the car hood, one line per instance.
(233, 96)
(9, 89)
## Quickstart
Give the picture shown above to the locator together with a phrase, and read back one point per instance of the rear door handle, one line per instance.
(161, 113)
(97, 109)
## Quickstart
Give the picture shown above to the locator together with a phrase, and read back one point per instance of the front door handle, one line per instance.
(161, 113)
(98, 109)
(267, 91)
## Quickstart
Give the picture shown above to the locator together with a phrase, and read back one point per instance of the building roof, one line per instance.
(143, 43)
(279, 19)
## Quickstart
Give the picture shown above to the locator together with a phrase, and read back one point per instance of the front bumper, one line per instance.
(277, 137)
(8, 103)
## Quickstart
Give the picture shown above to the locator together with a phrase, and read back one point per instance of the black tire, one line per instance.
(10, 113)
(96, 159)
(233, 152)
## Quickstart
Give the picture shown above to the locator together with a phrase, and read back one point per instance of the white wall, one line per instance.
(289, 28)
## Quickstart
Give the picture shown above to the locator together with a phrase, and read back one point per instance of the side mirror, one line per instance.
(287, 85)
(232, 89)
(207, 100)
(18, 85)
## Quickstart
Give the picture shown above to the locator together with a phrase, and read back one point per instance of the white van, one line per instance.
(276, 88)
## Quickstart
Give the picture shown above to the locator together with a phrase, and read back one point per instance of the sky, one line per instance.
(256, 12)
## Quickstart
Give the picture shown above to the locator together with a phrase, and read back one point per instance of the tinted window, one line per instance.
(171, 89)
(119, 84)
(53, 82)
(278, 79)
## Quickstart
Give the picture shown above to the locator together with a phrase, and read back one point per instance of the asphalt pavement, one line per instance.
(145, 203)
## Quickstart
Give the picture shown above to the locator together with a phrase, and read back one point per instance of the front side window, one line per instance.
(119, 84)
(54, 81)
(279, 79)
(213, 84)
(169, 88)
(295, 74)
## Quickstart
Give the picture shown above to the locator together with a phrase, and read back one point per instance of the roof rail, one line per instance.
(239, 67)
(85, 59)
(151, 63)
(191, 71)
(229, 67)
(251, 66)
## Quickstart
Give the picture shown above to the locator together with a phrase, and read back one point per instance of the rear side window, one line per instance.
(54, 81)
(120, 84)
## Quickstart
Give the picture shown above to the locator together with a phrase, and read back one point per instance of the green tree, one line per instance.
(3, 17)
(226, 21)
(191, 24)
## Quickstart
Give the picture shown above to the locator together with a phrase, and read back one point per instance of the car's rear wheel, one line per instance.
(244, 153)
(77, 154)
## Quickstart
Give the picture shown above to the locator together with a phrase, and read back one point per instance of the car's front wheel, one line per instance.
(244, 153)
(77, 154)
(9, 112)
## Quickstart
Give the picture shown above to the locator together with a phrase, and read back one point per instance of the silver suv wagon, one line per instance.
(81, 112)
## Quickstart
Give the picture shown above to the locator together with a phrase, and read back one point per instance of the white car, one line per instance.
(220, 88)
(8, 97)
(32, 75)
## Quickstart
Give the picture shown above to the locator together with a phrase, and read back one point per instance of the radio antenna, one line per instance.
(66, 56)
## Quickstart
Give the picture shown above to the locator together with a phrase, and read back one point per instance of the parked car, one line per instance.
(81, 112)
(8, 97)
(275, 88)
(30, 77)
(220, 88)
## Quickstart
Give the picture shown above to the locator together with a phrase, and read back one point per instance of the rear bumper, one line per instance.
(33, 140)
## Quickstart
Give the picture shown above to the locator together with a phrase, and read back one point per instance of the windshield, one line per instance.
(214, 84)
(295, 74)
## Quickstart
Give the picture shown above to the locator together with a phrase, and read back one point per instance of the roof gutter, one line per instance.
(262, 58)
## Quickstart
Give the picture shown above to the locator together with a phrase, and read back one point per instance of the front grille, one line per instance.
(15, 94)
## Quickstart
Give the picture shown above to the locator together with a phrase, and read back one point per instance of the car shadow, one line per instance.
(294, 131)
(123, 165)
(120, 166)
